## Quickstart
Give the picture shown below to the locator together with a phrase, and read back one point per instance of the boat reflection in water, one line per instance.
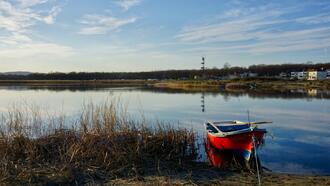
(232, 144)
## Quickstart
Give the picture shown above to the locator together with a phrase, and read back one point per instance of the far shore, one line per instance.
(71, 82)
(257, 85)
(241, 84)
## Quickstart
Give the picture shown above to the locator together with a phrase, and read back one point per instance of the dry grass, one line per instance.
(192, 85)
(102, 144)
(242, 84)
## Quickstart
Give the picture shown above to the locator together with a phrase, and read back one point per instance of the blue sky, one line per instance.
(143, 35)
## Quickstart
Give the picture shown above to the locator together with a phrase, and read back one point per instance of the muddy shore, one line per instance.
(214, 177)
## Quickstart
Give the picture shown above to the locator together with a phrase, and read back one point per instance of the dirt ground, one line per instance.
(211, 177)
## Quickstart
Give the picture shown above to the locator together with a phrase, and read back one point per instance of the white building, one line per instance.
(294, 75)
(283, 75)
(253, 74)
(232, 76)
(317, 75)
(248, 74)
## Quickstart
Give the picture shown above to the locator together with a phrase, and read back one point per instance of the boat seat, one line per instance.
(230, 128)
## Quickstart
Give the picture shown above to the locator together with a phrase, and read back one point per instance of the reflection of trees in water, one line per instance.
(289, 94)
(71, 88)
(226, 97)
(283, 94)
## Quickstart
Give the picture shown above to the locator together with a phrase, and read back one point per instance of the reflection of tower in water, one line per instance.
(203, 102)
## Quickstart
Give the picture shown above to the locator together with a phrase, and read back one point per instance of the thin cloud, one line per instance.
(15, 38)
(30, 3)
(18, 18)
(315, 19)
(127, 4)
(50, 18)
(17, 21)
(36, 49)
(99, 24)
(232, 27)
(259, 30)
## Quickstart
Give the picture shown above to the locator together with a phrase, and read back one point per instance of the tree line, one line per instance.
(261, 69)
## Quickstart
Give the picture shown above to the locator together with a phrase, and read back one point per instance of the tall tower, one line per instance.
(203, 67)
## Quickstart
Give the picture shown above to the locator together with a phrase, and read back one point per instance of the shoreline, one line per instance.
(213, 177)
(72, 82)
(253, 85)
(165, 174)
(218, 87)
(192, 85)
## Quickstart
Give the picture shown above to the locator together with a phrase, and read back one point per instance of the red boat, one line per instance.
(235, 136)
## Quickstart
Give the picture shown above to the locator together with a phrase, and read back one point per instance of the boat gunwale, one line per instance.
(219, 133)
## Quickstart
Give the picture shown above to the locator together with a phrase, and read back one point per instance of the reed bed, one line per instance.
(104, 143)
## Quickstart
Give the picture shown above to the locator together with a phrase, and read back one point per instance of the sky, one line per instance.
(145, 35)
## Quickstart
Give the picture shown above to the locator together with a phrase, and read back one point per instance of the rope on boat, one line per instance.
(255, 151)
(256, 159)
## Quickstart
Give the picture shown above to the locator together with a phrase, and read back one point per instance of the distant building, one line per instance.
(312, 92)
(317, 75)
(232, 76)
(294, 75)
(248, 74)
(283, 75)
(243, 75)
(302, 75)
(253, 74)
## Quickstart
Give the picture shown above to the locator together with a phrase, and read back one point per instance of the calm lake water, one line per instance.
(297, 142)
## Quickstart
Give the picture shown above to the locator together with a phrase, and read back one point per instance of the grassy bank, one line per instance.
(190, 85)
(251, 84)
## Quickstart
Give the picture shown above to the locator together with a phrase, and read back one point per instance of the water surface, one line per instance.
(297, 142)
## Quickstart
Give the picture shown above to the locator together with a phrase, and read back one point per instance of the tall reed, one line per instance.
(103, 143)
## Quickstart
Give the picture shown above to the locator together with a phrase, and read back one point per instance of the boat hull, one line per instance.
(241, 144)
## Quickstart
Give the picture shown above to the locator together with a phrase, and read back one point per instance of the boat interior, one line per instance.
(226, 126)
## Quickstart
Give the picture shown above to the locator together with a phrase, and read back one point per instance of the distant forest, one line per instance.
(262, 70)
